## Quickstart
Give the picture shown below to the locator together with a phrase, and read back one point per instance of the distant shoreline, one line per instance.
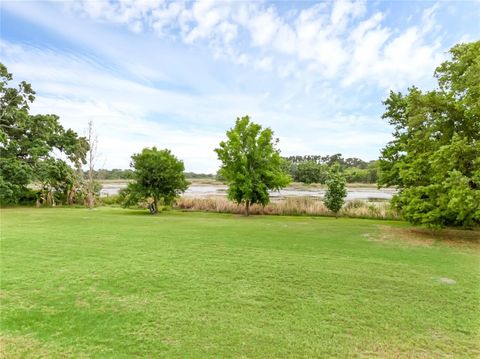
(202, 188)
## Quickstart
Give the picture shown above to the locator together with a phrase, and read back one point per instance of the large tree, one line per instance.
(28, 142)
(251, 163)
(434, 157)
(158, 175)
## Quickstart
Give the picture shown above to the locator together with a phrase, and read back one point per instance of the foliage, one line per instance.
(27, 143)
(219, 177)
(362, 175)
(336, 192)
(125, 174)
(195, 175)
(314, 168)
(251, 163)
(310, 172)
(434, 158)
(113, 174)
(328, 159)
(115, 199)
(56, 178)
(158, 174)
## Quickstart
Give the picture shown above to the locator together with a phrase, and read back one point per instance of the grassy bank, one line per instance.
(121, 283)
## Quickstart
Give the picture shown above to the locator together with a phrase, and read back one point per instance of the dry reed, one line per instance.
(295, 206)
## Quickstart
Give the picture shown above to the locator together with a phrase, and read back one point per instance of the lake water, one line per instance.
(202, 191)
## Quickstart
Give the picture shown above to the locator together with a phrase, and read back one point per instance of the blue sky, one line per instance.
(176, 75)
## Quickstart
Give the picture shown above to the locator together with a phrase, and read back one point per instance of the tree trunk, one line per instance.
(92, 154)
(50, 198)
(90, 200)
(247, 208)
(154, 210)
(90, 196)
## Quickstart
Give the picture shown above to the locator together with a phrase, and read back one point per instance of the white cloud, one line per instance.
(393, 61)
(330, 39)
(286, 40)
(206, 18)
(131, 115)
(124, 111)
(177, 74)
(263, 27)
(264, 64)
(344, 10)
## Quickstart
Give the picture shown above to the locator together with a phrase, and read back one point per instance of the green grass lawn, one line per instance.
(122, 283)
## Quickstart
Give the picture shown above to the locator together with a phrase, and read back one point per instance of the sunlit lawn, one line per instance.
(122, 283)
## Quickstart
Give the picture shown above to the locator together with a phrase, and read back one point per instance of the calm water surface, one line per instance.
(201, 191)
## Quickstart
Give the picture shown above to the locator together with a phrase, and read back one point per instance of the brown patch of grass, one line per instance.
(427, 237)
(81, 303)
(24, 346)
(386, 352)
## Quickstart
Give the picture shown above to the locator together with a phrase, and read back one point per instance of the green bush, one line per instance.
(111, 200)
(28, 197)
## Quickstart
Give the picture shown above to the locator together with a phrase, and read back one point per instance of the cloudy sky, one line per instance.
(176, 75)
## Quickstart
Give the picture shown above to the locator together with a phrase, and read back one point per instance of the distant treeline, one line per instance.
(125, 174)
(114, 174)
(306, 169)
(314, 168)
(199, 175)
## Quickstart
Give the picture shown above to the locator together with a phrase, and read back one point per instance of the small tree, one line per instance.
(158, 175)
(251, 163)
(336, 191)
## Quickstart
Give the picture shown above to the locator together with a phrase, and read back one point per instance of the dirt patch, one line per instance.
(426, 237)
(448, 281)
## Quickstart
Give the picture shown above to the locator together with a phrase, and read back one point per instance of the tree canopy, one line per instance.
(315, 168)
(251, 163)
(28, 142)
(158, 175)
(434, 157)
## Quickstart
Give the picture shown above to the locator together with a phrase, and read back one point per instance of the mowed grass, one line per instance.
(121, 283)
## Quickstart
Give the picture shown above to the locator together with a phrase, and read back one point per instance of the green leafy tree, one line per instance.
(310, 172)
(362, 175)
(314, 168)
(158, 175)
(356, 175)
(251, 163)
(434, 158)
(27, 142)
(372, 168)
(336, 192)
(55, 177)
